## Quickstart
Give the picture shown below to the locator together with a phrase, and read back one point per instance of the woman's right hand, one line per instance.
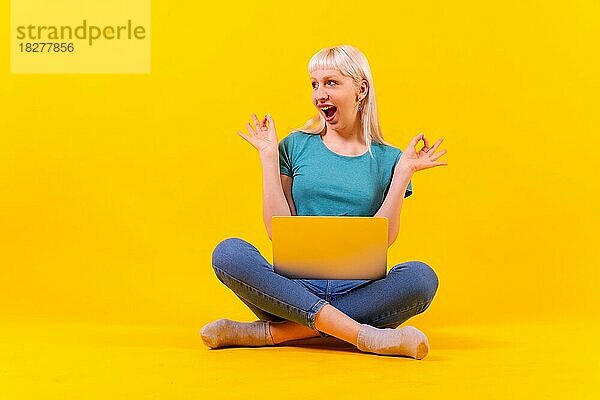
(262, 135)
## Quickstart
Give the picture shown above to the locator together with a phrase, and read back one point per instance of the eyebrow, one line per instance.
(326, 77)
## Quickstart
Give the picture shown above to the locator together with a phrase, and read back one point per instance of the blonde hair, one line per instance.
(352, 63)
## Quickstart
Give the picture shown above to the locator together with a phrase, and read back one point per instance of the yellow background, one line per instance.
(114, 189)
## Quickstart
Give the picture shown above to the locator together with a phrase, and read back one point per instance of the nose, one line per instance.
(321, 94)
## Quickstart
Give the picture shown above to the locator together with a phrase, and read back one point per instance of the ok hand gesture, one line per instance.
(424, 158)
(262, 135)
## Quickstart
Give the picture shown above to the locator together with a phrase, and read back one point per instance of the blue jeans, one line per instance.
(407, 290)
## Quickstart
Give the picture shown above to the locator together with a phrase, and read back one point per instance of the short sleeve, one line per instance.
(285, 159)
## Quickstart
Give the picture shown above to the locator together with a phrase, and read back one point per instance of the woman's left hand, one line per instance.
(414, 160)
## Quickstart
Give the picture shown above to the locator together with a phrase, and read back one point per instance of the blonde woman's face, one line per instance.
(332, 89)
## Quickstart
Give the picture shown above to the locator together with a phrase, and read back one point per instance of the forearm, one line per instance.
(274, 201)
(392, 203)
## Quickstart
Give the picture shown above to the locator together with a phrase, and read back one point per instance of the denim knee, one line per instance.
(226, 251)
(424, 280)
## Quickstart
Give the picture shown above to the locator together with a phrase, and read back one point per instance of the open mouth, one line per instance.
(329, 112)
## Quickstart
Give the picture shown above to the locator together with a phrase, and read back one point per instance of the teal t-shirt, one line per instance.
(327, 183)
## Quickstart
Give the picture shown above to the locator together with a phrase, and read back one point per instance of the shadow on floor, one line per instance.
(437, 340)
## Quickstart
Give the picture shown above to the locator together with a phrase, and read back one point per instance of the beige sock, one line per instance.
(225, 332)
(406, 341)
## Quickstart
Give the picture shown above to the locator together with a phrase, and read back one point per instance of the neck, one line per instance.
(352, 134)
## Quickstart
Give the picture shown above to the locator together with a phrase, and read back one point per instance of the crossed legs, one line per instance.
(328, 319)
(296, 313)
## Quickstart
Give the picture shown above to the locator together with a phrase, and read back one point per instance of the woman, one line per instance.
(336, 164)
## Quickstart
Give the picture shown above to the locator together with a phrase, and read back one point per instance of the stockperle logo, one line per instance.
(74, 36)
